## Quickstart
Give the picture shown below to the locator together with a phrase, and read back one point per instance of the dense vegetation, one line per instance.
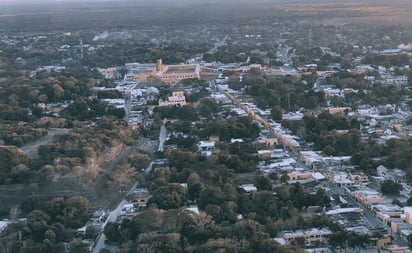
(49, 226)
(210, 183)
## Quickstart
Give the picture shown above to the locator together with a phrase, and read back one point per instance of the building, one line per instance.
(268, 141)
(408, 214)
(206, 147)
(297, 175)
(249, 188)
(139, 197)
(342, 179)
(387, 212)
(359, 178)
(169, 73)
(367, 197)
(3, 225)
(109, 73)
(178, 98)
(311, 236)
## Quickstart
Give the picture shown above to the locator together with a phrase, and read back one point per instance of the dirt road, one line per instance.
(31, 148)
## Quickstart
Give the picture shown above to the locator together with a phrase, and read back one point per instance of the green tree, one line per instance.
(263, 183)
(207, 107)
(389, 187)
(76, 211)
(199, 228)
(112, 232)
(169, 196)
(277, 113)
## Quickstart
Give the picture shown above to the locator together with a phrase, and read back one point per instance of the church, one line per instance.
(169, 73)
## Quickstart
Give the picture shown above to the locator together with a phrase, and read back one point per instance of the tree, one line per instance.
(76, 211)
(31, 203)
(207, 107)
(263, 183)
(199, 228)
(112, 232)
(194, 186)
(77, 246)
(338, 239)
(389, 187)
(11, 157)
(277, 113)
(37, 222)
(169, 196)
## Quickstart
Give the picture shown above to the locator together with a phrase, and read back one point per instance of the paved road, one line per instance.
(368, 217)
(114, 215)
(112, 218)
(31, 149)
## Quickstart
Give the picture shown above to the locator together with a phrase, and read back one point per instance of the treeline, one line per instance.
(47, 87)
(20, 133)
(49, 226)
(91, 109)
(232, 127)
(289, 93)
(387, 60)
(122, 52)
(14, 165)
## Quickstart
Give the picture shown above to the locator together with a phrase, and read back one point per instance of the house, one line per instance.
(139, 197)
(339, 110)
(398, 224)
(395, 175)
(177, 98)
(386, 212)
(406, 190)
(265, 154)
(3, 225)
(296, 175)
(269, 141)
(311, 236)
(367, 196)
(249, 188)
(408, 214)
(239, 140)
(381, 170)
(342, 179)
(359, 178)
(206, 148)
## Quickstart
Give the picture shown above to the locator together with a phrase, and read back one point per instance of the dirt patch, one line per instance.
(103, 180)
(31, 149)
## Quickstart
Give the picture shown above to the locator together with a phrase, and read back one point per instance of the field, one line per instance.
(133, 14)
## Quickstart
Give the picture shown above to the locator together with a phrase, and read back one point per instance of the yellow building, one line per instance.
(169, 73)
(359, 178)
(177, 98)
(367, 197)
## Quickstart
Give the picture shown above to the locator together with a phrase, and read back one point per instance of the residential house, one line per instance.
(311, 236)
(206, 148)
(177, 98)
(367, 196)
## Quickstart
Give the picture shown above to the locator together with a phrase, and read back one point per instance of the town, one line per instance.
(254, 132)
